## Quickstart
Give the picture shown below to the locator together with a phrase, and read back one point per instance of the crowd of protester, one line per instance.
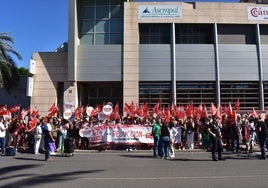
(174, 133)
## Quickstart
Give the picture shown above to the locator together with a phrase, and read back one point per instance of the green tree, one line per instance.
(21, 71)
(8, 67)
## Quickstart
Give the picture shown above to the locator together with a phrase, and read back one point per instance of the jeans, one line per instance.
(3, 144)
(235, 143)
(156, 145)
(47, 153)
(190, 140)
(263, 142)
(61, 137)
(165, 146)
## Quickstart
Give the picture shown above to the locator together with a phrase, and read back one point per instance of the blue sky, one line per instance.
(36, 25)
(40, 25)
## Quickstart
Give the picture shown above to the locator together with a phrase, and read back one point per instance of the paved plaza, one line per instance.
(122, 169)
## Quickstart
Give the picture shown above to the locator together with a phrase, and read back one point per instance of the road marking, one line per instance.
(180, 178)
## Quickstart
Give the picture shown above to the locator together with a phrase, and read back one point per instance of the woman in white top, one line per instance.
(172, 132)
(3, 129)
(37, 137)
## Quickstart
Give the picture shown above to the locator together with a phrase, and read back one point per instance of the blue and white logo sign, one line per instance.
(160, 12)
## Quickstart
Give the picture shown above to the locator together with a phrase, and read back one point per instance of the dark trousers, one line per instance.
(216, 146)
(3, 144)
(47, 153)
(263, 141)
(156, 145)
(235, 143)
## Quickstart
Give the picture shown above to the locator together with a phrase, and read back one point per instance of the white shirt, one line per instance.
(173, 132)
(2, 130)
(48, 127)
(38, 130)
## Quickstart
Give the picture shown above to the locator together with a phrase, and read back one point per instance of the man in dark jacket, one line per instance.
(214, 130)
(262, 130)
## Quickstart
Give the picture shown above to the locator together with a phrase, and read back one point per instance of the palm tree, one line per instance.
(8, 73)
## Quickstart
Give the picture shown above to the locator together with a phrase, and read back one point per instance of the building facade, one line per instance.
(174, 52)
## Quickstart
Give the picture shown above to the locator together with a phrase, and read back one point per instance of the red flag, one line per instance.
(140, 111)
(14, 109)
(156, 109)
(231, 113)
(204, 112)
(34, 112)
(115, 113)
(78, 113)
(84, 109)
(3, 110)
(130, 109)
(226, 110)
(167, 114)
(24, 113)
(32, 124)
(189, 110)
(198, 112)
(218, 113)
(180, 112)
(213, 109)
(146, 109)
(96, 110)
(237, 105)
(53, 110)
(20, 126)
(254, 113)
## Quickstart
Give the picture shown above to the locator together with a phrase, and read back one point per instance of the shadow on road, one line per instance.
(33, 180)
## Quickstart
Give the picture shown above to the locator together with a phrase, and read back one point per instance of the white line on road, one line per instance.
(179, 178)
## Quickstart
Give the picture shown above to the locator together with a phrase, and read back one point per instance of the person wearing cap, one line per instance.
(214, 130)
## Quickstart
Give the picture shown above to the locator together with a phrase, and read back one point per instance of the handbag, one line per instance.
(52, 146)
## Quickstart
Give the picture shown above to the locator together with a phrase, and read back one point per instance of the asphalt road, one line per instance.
(122, 169)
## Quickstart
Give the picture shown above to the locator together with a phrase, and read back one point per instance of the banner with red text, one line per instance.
(121, 134)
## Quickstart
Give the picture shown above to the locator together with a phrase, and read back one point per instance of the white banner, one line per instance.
(160, 12)
(118, 134)
(258, 13)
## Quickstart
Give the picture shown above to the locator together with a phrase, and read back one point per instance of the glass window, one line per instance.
(154, 33)
(264, 34)
(117, 11)
(102, 12)
(95, 93)
(117, 2)
(196, 92)
(265, 88)
(103, 18)
(87, 39)
(102, 26)
(246, 92)
(154, 92)
(87, 12)
(101, 38)
(116, 26)
(194, 34)
(102, 2)
(116, 38)
(236, 34)
(87, 2)
(87, 26)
